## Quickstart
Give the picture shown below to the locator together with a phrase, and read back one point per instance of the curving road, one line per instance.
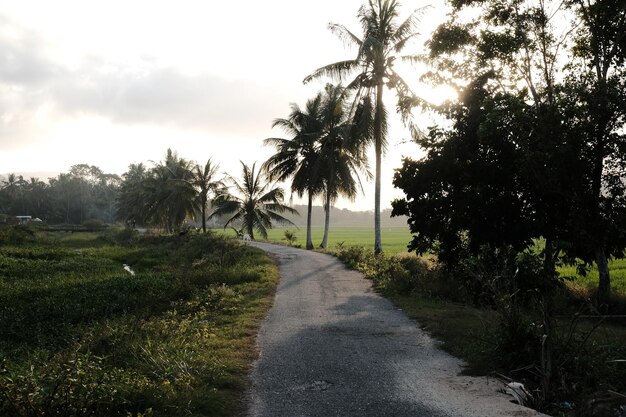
(330, 346)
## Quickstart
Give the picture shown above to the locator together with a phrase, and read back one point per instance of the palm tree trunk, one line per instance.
(604, 283)
(309, 241)
(326, 220)
(204, 216)
(378, 145)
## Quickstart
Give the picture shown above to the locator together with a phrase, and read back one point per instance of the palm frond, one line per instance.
(347, 37)
(407, 28)
(225, 207)
(399, 46)
(336, 70)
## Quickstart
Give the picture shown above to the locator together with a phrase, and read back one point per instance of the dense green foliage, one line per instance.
(80, 335)
(82, 194)
(534, 150)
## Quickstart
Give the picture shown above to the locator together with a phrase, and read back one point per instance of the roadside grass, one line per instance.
(461, 329)
(588, 351)
(79, 335)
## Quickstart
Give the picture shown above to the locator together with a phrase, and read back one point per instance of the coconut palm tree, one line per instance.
(382, 41)
(341, 154)
(203, 182)
(169, 201)
(131, 200)
(13, 188)
(257, 204)
(298, 157)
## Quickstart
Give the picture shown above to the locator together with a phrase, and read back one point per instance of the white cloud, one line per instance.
(110, 83)
(167, 97)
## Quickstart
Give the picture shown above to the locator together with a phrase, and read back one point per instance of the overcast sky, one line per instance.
(111, 83)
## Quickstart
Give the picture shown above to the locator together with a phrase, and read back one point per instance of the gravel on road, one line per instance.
(331, 346)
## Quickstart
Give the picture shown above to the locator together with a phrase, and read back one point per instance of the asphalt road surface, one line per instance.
(330, 346)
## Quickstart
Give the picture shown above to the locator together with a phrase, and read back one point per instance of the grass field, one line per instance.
(617, 270)
(81, 336)
(395, 239)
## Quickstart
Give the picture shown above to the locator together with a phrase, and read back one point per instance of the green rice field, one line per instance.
(617, 268)
(395, 239)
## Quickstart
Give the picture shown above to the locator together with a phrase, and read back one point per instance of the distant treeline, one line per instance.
(84, 193)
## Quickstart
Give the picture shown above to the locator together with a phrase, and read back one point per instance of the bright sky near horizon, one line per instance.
(118, 82)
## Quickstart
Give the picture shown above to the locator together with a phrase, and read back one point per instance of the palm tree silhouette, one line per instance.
(382, 41)
(257, 203)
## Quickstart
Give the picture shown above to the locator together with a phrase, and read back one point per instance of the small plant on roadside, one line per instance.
(290, 237)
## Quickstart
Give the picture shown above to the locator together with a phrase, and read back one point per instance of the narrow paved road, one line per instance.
(330, 346)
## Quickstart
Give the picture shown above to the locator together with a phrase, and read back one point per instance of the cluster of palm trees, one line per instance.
(175, 190)
(324, 155)
(167, 194)
(330, 135)
(85, 193)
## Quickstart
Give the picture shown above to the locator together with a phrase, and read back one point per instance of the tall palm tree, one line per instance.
(204, 182)
(341, 154)
(298, 157)
(256, 205)
(382, 42)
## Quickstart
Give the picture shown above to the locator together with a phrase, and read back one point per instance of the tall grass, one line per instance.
(79, 335)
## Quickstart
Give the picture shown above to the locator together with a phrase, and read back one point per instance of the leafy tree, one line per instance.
(86, 178)
(298, 157)
(36, 197)
(570, 162)
(467, 192)
(257, 204)
(64, 192)
(598, 85)
(382, 41)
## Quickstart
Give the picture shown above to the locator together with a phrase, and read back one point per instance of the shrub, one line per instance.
(15, 235)
(399, 274)
(290, 237)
